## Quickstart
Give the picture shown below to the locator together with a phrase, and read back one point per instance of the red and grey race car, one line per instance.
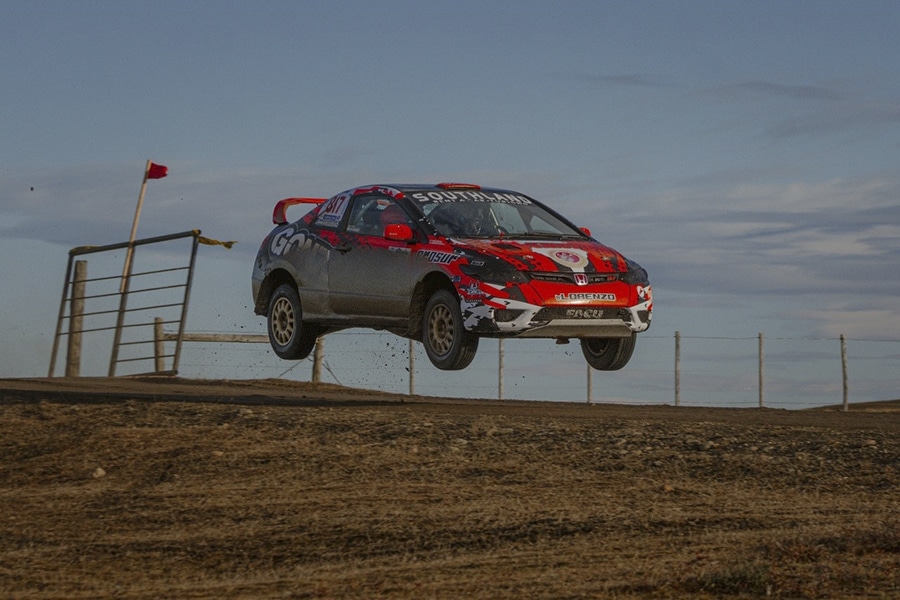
(446, 264)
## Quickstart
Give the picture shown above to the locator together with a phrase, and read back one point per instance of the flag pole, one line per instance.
(137, 215)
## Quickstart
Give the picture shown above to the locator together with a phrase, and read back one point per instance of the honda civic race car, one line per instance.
(446, 265)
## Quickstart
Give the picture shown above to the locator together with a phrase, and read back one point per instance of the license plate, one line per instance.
(584, 313)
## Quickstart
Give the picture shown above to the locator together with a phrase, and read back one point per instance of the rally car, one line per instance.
(446, 265)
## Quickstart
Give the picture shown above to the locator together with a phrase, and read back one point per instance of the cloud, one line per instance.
(766, 89)
(800, 244)
(845, 117)
(95, 204)
(791, 110)
(858, 322)
(627, 80)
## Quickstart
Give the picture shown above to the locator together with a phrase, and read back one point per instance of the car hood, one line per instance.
(550, 255)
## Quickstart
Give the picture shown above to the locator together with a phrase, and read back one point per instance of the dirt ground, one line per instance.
(155, 488)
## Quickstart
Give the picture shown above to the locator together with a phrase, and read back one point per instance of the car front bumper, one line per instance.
(519, 319)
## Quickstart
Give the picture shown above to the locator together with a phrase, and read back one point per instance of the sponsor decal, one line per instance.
(473, 290)
(289, 239)
(473, 313)
(572, 258)
(586, 296)
(333, 210)
(435, 256)
(645, 293)
(470, 196)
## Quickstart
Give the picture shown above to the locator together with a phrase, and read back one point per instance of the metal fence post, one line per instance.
(176, 360)
(412, 367)
(500, 368)
(844, 371)
(590, 384)
(123, 302)
(677, 368)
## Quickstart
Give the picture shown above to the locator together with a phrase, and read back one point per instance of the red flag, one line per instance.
(157, 171)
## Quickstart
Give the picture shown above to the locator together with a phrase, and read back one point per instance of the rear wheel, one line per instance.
(448, 345)
(608, 354)
(289, 337)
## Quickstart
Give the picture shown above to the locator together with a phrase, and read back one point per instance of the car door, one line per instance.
(371, 277)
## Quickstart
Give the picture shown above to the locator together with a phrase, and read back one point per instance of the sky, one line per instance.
(745, 153)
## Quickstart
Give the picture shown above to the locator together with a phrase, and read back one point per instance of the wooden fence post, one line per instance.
(159, 346)
(76, 320)
(318, 357)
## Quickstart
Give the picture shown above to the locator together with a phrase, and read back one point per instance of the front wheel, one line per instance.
(448, 345)
(289, 337)
(608, 354)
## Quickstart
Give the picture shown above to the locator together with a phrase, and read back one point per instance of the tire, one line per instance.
(448, 345)
(289, 337)
(608, 354)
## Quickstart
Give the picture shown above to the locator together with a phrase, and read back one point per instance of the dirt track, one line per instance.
(155, 488)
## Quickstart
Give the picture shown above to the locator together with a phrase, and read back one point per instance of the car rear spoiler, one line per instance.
(278, 215)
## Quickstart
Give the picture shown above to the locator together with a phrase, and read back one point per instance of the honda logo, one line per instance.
(581, 279)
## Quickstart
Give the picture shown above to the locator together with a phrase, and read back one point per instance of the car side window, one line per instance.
(364, 216)
(369, 215)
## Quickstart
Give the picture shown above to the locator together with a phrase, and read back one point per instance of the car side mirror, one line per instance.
(585, 231)
(399, 232)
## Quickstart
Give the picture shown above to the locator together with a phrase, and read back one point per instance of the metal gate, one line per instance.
(124, 306)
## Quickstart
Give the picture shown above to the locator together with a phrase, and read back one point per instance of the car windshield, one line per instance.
(483, 214)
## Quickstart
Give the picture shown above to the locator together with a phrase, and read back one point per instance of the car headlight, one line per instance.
(493, 270)
(636, 274)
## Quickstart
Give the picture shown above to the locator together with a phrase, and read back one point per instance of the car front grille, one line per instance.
(566, 277)
(579, 312)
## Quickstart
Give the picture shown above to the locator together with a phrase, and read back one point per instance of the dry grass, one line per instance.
(443, 501)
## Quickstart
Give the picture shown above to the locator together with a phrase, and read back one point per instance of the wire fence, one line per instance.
(789, 373)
